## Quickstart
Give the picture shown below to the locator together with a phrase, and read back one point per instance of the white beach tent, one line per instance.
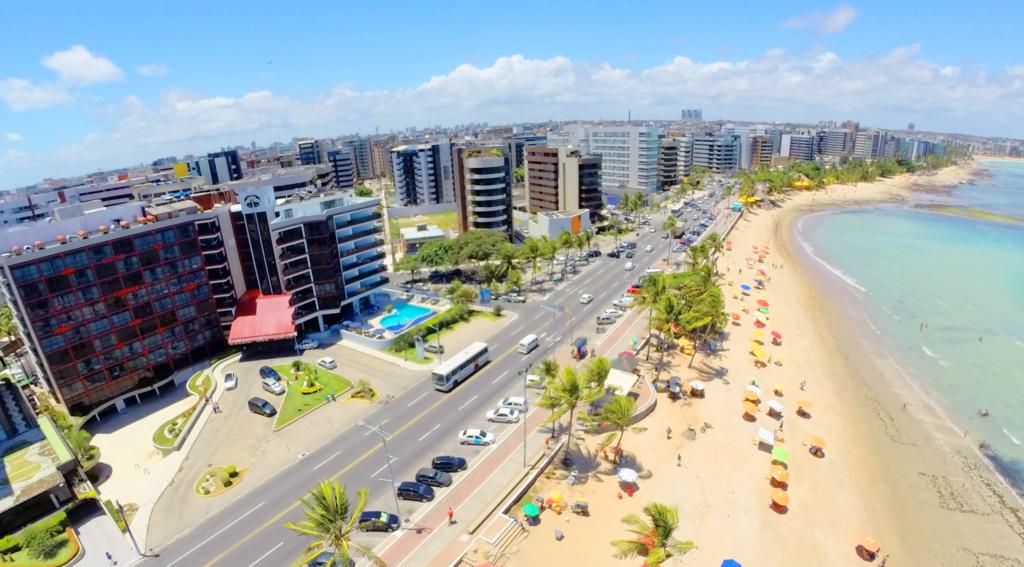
(620, 381)
(765, 436)
(776, 406)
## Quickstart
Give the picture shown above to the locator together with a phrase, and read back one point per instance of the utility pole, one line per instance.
(379, 430)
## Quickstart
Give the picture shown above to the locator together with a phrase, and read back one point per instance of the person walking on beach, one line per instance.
(451, 516)
(803, 385)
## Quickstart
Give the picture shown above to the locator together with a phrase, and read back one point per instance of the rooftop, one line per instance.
(30, 464)
(423, 232)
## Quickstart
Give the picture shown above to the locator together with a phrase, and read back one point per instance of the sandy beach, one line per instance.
(899, 472)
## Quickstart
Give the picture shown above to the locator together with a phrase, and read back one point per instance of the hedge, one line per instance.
(54, 524)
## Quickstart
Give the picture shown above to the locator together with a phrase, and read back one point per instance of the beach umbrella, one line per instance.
(762, 303)
(780, 454)
(745, 287)
(759, 324)
(749, 408)
(731, 563)
(804, 404)
(761, 271)
(736, 316)
(761, 354)
(775, 405)
(628, 475)
(765, 436)
(780, 474)
(817, 441)
(776, 335)
(530, 510)
(625, 363)
(758, 333)
(780, 498)
(750, 396)
(627, 353)
(763, 310)
(868, 542)
(758, 281)
(753, 388)
(555, 496)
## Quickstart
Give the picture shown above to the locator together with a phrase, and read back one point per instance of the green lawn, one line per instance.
(410, 353)
(66, 553)
(296, 404)
(447, 220)
(195, 386)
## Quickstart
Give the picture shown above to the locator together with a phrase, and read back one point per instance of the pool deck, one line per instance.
(442, 306)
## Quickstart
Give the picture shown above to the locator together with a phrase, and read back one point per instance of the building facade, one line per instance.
(483, 189)
(424, 174)
(343, 168)
(719, 153)
(362, 154)
(312, 152)
(629, 154)
(668, 163)
(798, 147)
(560, 179)
(760, 151)
(380, 156)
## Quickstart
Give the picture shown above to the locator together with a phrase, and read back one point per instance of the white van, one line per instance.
(528, 343)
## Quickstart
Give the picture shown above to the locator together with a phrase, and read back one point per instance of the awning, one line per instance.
(261, 318)
(620, 381)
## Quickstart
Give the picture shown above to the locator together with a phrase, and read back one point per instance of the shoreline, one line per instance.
(935, 485)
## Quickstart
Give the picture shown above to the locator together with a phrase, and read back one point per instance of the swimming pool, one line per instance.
(405, 315)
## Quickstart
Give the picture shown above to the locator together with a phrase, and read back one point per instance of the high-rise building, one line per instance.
(380, 157)
(869, 144)
(719, 153)
(629, 154)
(217, 167)
(684, 160)
(798, 147)
(312, 152)
(561, 179)
(910, 126)
(834, 143)
(483, 189)
(691, 115)
(343, 168)
(760, 151)
(516, 145)
(668, 163)
(424, 174)
(362, 154)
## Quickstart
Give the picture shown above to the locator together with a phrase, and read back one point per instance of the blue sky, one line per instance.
(83, 88)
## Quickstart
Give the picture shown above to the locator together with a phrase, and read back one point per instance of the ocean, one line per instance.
(945, 297)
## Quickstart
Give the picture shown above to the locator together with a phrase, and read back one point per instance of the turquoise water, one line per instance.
(404, 314)
(964, 279)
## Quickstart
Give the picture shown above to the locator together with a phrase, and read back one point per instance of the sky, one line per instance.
(87, 86)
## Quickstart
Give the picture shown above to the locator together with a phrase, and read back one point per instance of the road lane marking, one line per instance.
(374, 430)
(516, 332)
(264, 556)
(469, 401)
(217, 533)
(324, 462)
(429, 432)
(393, 459)
(539, 315)
(420, 397)
(496, 380)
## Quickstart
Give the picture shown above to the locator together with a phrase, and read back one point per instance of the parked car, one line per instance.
(586, 298)
(630, 254)
(420, 492)
(665, 236)
(307, 344)
(230, 381)
(593, 254)
(503, 415)
(273, 386)
(514, 402)
(631, 245)
(652, 230)
(326, 558)
(630, 266)
(262, 407)
(475, 437)
(377, 521)
(433, 477)
(268, 372)
(514, 298)
(649, 248)
(448, 463)
(605, 319)
(614, 254)
(434, 348)
(327, 362)
(613, 313)
(535, 381)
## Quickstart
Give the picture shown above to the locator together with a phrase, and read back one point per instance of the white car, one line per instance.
(475, 437)
(630, 266)
(624, 301)
(514, 402)
(327, 362)
(652, 230)
(307, 344)
(230, 381)
(613, 313)
(503, 415)
(649, 248)
(535, 381)
(586, 298)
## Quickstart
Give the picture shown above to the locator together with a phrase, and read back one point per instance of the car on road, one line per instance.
(614, 254)
(503, 415)
(327, 362)
(448, 463)
(535, 381)
(433, 477)
(326, 558)
(377, 521)
(230, 381)
(631, 245)
(649, 248)
(594, 254)
(513, 298)
(630, 254)
(262, 407)
(307, 344)
(630, 266)
(475, 437)
(665, 236)
(652, 230)
(434, 348)
(586, 298)
(268, 372)
(624, 301)
(613, 313)
(273, 386)
(418, 491)
(605, 320)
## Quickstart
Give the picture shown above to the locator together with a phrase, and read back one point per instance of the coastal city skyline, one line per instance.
(98, 100)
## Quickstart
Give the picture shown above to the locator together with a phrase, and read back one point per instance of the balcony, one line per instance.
(357, 221)
(297, 268)
(363, 275)
(301, 297)
(296, 283)
(357, 235)
(223, 289)
(383, 281)
(289, 236)
(377, 243)
(489, 209)
(207, 228)
(350, 262)
(218, 274)
(293, 252)
(224, 302)
(214, 258)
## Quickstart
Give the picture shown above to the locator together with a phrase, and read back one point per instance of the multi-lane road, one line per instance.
(420, 423)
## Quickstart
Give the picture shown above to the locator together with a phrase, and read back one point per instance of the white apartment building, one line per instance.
(423, 174)
(629, 154)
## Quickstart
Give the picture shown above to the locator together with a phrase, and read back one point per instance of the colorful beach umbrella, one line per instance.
(780, 497)
(776, 335)
(759, 324)
(761, 271)
(758, 333)
(745, 287)
(758, 281)
(868, 542)
(736, 316)
(780, 474)
(763, 310)
(731, 563)
(780, 454)
(762, 303)
(628, 475)
(750, 408)
(817, 441)
(530, 510)
(804, 404)
(750, 396)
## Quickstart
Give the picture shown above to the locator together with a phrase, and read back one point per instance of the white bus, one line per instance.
(528, 343)
(459, 367)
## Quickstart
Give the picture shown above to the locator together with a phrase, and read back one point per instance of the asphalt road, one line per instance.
(420, 423)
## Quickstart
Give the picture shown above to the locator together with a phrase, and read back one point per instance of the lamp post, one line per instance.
(387, 457)
(525, 372)
(437, 335)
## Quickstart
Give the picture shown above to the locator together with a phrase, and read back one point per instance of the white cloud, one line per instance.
(886, 90)
(22, 94)
(153, 70)
(78, 66)
(13, 137)
(824, 22)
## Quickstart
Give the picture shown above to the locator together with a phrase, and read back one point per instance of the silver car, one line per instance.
(230, 381)
(503, 415)
(273, 386)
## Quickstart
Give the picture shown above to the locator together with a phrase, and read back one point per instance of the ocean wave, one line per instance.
(1020, 344)
(1010, 435)
(839, 273)
(933, 355)
(873, 327)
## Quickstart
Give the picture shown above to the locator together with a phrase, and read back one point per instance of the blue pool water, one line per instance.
(404, 315)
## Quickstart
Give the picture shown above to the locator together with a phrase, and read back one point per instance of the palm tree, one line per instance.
(508, 258)
(531, 252)
(596, 371)
(458, 293)
(669, 313)
(653, 537)
(715, 245)
(550, 251)
(514, 279)
(655, 286)
(588, 239)
(565, 241)
(696, 255)
(548, 369)
(7, 327)
(616, 224)
(489, 274)
(331, 521)
(570, 391)
(618, 412)
(80, 442)
(669, 226)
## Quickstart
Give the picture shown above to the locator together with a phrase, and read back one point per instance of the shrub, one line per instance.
(232, 471)
(224, 479)
(228, 482)
(40, 541)
(498, 310)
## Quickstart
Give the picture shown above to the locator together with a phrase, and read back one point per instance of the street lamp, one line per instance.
(525, 372)
(555, 312)
(437, 335)
(379, 430)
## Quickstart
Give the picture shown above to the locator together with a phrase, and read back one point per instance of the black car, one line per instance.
(377, 521)
(433, 477)
(409, 490)
(630, 254)
(327, 558)
(268, 372)
(613, 254)
(631, 245)
(593, 254)
(262, 407)
(448, 463)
